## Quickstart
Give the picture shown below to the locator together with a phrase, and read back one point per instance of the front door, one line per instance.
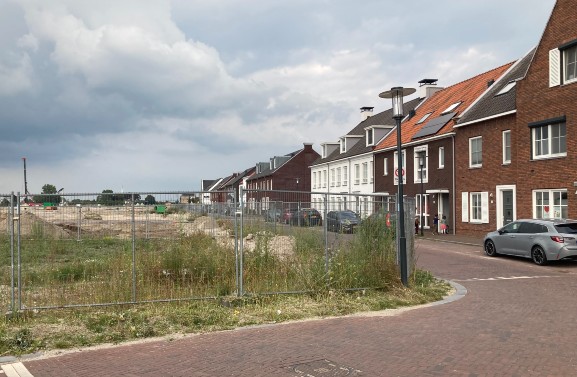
(507, 206)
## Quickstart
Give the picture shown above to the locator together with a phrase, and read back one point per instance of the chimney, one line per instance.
(428, 87)
(490, 82)
(366, 112)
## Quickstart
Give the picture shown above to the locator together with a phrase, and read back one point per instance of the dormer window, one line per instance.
(451, 108)
(370, 133)
(424, 118)
(343, 142)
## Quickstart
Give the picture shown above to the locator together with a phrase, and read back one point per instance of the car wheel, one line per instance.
(538, 256)
(490, 249)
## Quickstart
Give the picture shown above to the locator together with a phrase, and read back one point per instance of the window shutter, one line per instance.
(465, 207)
(485, 207)
(554, 67)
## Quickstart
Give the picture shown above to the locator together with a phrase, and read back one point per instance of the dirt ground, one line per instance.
(94, 222)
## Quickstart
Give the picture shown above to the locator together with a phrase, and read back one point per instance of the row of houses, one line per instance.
(482, 152)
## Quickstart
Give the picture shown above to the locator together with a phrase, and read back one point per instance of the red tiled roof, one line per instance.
(465, 92)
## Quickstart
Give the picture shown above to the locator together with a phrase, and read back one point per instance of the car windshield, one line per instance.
(569, 228)
(348, 215)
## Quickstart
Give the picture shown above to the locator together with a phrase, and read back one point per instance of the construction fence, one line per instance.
(67, 250)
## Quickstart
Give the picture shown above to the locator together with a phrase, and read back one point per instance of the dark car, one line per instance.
(542, 240)
(342, 221)
(272, 215)
(306, 217)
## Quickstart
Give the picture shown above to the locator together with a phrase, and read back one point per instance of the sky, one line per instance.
(156, 95)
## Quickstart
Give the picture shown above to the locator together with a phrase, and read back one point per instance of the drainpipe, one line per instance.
(454, 221)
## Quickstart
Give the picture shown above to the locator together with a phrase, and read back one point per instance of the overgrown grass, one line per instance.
(357, 273)
(67, 328)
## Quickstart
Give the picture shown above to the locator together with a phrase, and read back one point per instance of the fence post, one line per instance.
(133, 234)
(11, 224)
(326, 231)
(240, 280)
(19, 247)
(79, 206)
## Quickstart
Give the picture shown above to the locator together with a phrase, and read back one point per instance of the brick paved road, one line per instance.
(517, 319)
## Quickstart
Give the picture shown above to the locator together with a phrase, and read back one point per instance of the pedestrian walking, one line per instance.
(436, 224)
(444, 227)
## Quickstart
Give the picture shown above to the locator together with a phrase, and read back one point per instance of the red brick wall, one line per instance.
(536, 102)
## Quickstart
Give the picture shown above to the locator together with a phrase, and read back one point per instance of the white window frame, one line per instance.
(441, 157)
(324, 178)
(338, 177)
(357, 168)
(365, 172)
(567, 63)
(538, 131)
(343, 144)
(477, 164)
(507, 88)
(451, 108)
(553, 202)
(385, 166)
(424, 118)
(371, 172)
(370, 135)
(403, 167)
(506, 147)
(314, 180)
(417, 151)
(345, 176)
(333, 177)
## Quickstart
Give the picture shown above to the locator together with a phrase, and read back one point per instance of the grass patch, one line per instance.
(80, 327)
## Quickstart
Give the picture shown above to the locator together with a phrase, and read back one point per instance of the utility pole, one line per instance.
(26, 193)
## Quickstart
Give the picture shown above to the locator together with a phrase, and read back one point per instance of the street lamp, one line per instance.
(422, 201)
(396, 94)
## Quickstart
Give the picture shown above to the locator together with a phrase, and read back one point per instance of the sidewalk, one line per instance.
(453, 238)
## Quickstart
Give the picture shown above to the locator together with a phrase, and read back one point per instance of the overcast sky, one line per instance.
(155, 95)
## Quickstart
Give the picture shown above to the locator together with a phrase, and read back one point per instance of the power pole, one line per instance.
(26, 193)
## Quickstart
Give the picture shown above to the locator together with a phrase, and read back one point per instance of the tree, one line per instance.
(5, 203)
(49, 196)
(149, 199)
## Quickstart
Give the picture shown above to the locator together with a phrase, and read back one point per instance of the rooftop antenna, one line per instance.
(26, 193)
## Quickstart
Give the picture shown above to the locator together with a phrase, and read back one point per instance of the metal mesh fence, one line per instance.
(66, 250)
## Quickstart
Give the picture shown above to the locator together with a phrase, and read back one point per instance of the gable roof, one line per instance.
(271, 171)
(384, 118)
(492, 104)
(464, 93)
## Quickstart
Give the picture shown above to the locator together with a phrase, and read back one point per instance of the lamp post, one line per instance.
(396, 94)
(421, 165)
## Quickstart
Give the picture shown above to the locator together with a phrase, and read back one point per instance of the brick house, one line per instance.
(428, 147)
(288, 172)
(527, 168)
(345, 166)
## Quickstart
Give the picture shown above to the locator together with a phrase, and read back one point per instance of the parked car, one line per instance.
(541, 240)
(342, 221)
(272, 215)
(306, 217)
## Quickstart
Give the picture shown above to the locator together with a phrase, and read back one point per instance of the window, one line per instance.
(386, 166)
(506, 147)
(345, 176)
(314, 180)
(420, 156)
(475, 207)
(507, 88)
(424, 118)
(476, 152)
(403, 169)
(370, 137)
(365, 172)
(441, 157)
(357, 174)
(343, 143)
(338, 176)
(570, 64)
(549, 140)
(332, 177)
(549, 204)
(324, 178)
(563, 64)
(371, 173)
(451, 108)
